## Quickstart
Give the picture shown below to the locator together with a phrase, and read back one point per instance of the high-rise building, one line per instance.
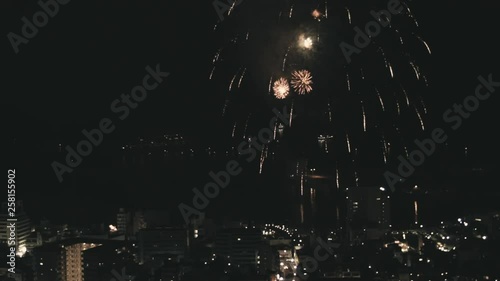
(79, 259)
(124, 221)
(21, 230)
(61, 260)
(367, 208)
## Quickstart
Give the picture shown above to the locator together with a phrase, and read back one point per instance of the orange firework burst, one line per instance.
(281, 88)
(316, 14)
(302, 81)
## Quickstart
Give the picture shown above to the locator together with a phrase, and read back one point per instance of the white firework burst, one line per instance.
(302, 81)
(281, 88)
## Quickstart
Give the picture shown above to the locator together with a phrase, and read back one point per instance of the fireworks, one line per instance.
(289, 42)
(281, 88)
(305, 42)
(317, 15)
(302, 81)
(425, 43)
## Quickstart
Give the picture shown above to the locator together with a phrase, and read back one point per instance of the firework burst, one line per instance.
(316, 15)
(302, 81)
(305, 42)
(281, 88)
(272, 54)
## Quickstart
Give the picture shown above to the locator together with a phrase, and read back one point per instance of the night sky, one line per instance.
(65, 78)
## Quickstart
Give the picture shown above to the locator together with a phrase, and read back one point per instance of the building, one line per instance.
(239, 246)
(34, 240)
(103, 263)
(48, 259)
(162, 240)
(130, 223)
(169, 268)
(138, 222)
(72, 259)
(124, 222)
(268, 259)
(368, 211)
(61, 260)
(22, 228)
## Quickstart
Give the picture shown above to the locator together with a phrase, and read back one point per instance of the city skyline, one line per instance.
(279, 140)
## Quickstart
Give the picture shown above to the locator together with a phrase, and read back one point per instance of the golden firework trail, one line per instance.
(407, 99)
(364, 116)
(348, 142)
(425, 43)
(241, 78)
(380, 100)
(420, 118)
(348, 15)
